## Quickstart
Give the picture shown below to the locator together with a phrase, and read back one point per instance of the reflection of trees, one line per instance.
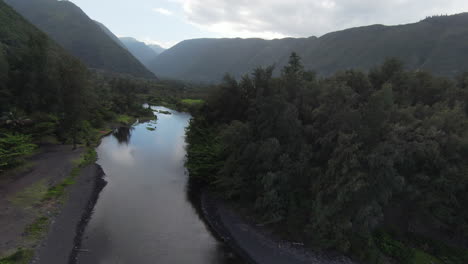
(222, 254)
(123, 134)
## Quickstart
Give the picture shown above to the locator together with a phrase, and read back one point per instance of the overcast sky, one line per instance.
(167, 22)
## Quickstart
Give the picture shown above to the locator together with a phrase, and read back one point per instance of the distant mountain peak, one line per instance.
(142, 51)
(158, 49)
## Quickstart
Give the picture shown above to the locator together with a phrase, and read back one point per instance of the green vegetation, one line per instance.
(31, 196)
(421, 257)
(13, 148)
(331, 161)
(435, 44)
(151, 128)
(47, 95)
(125, 119)
(190, 105)
(22, 256)
(89, 157)
(192, 101)
(58, 190)
(36, 230)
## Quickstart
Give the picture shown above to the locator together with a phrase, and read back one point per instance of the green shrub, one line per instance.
(13, 149)
(394, 248)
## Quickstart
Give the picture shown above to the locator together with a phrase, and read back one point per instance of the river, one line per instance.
(145, 215)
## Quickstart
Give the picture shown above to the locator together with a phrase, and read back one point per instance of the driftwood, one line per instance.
(82, 250)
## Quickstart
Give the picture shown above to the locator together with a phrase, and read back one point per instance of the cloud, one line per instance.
(163, 11)
(301, 18)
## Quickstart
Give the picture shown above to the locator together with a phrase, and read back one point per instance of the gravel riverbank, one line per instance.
(64, 236)
(256, 245)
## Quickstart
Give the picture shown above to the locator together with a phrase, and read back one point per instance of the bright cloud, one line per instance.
(162, 11)
(300, 18)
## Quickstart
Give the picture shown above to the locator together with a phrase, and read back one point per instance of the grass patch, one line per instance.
(89, 157)
(58, 190)
(151, 128)
(125, 119)
(421, 257)
(36, 230)
(22, 256)
(192, 101)
(31, 196)
(405, 254)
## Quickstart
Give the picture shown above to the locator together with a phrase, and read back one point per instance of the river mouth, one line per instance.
(146, 212)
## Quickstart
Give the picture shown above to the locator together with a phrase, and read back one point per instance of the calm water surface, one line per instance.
(144, 215)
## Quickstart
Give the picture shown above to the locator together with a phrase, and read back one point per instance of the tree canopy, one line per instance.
(358, 162)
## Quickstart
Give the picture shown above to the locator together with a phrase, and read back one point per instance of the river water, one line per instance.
(144, 214)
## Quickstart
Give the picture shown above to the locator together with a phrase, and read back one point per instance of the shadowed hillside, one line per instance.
(77, 33)
(140, 50)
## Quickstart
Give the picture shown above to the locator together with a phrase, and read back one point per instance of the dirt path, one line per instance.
(256, 245)
(20, 194)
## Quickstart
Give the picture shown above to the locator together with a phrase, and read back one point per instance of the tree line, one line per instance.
(370, 164)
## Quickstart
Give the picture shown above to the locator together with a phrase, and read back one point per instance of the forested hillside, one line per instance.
(69, 26)
(373, 165)
(436, 44)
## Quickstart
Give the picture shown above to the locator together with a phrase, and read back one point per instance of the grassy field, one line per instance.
(192, 101)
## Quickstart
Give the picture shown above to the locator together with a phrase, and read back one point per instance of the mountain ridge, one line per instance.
(70, 27)
(142, 51)
(434, 44)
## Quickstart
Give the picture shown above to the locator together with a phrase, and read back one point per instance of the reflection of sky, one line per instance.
(143, 215)
(123, 154)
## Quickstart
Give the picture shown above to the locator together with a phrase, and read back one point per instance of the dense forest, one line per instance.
(370, 164)
(435, 44)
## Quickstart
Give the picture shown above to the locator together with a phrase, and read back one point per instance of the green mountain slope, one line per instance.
(436, 44)
(33, 75)
(77, 33)
(139, 49)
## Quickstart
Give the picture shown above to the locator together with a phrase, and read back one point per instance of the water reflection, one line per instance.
(123, 134)
(144, 214)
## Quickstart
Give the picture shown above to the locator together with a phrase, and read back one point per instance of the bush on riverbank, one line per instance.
(331, 161)
(13, 149)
